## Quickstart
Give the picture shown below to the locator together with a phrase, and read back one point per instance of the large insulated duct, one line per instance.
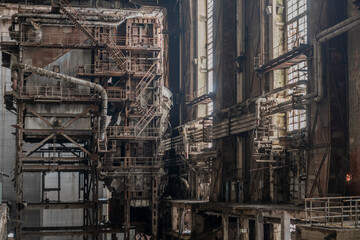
(96, 87)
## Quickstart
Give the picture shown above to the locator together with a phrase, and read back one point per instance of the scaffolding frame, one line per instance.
(134, 60)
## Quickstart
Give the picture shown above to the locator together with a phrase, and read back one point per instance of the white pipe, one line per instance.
(98, 88)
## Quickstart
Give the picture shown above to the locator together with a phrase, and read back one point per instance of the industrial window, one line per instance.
(297, 118)
(297, 32)
(296, 22)
(210, 51)
(295, 8)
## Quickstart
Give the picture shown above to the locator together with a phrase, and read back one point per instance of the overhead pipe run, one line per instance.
(322, 37)
(96, 87)
(318, 92)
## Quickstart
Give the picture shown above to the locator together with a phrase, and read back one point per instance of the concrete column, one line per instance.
(277, 231)
(240, 46)
(285, 226)
(155, 207)
(259, 227)
(201, 54)
(127, 215)
(225, 226)
(244, 229)
(174, 218)
(194, 227)
(240, 161)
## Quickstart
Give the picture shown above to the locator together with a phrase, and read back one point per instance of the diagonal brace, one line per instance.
(76, 118)
(39, 116)
(75, 143)
(37, 146)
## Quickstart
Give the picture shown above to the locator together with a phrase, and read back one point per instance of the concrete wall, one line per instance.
(354, 103)
(7, 133)
(3, 221)
(201, 52)
(69, 193)
(319, 233)
(187, 56)
(225, 89)
(7, 137)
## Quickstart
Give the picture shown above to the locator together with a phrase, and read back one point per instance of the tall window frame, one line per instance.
(296, 34)
(210, 51)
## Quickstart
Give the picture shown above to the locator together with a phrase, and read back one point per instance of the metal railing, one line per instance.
(66, 92)
(261, 59)
(295, 41)
(132, 41)
(278, 51)
(98, 68)
(54, 91)
(134, 65)
(50, 39)
(116, 93)
(145, 81)
(131, 132)
(190, 144)
(341, 212)
(137, 162)
(200, 92)
(79, 38)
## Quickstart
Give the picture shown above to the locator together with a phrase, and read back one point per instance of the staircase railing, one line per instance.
(115, 52)
(80, 22)
(343, 212)
(148, 112)
(146, 80)
(145, 120)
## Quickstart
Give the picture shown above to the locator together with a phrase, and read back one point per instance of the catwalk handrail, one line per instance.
(54, 91)
(342, 212)
(123, 131)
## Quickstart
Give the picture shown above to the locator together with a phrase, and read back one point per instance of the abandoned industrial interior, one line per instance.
(180, 119)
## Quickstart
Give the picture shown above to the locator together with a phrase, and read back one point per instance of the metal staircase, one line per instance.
(145, 81)
(147, 112)
(137, 107)
(145, 120)
(80, 22)
(115, 52)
